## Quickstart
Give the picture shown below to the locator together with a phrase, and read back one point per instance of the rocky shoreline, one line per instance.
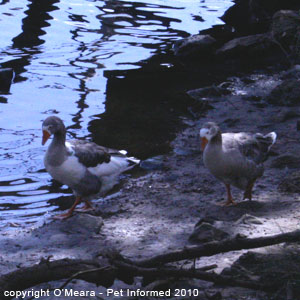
(176, 202)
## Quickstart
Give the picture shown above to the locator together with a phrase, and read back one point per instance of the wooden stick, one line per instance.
(104, 272)
(213, 248)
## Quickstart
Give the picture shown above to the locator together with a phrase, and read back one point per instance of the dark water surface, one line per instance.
(59, 51)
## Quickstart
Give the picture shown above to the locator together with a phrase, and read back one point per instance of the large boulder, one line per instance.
(252, 46)
(279, 268)
(222, 33)
(286, 28)
(285, 94)
(195, 45)
(255, 16)
(206, 232)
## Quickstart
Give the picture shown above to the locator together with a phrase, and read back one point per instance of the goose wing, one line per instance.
(88, 153)
(254, 147)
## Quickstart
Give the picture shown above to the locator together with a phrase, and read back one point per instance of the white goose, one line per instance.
(235, 158)
(87, 168)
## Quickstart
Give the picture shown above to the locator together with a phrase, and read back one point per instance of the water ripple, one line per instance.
(59, 51)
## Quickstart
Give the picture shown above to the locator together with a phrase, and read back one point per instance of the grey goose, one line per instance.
(235, 158)
(87, 168)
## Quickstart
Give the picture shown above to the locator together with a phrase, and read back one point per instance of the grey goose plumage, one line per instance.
(87, 168)
(235, 158)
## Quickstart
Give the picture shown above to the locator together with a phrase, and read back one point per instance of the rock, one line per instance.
(82, 223)
(58, 239)
(252, 46)
(266, 268)
(286, 161)
(286, 27)
(6, 77)
(286, 93)
(255, 16)
(184, 151)
(206, 232)
(222, 33)
(195, 45)
(291, 183)
(210, 220)
(205, 96)
(248, 219)
(153, 163)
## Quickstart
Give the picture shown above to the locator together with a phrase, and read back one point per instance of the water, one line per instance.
(59, 51)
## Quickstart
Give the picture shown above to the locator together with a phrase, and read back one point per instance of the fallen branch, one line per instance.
(25, 278)
(104, 272)
(212, 248)
(183, 273)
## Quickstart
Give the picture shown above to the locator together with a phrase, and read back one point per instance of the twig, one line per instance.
(207, 268)
(83, 273)
(153, 285)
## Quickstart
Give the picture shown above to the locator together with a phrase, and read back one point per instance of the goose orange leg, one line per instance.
(248, 191)
(87, 207)
(69, 212)
(230, 200)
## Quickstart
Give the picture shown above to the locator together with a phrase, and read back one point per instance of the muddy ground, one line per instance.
(157, 211)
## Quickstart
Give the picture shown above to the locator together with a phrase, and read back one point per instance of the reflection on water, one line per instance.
(59, 51)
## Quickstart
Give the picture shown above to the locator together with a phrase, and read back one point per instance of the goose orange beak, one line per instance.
(46, 136)
(204, 142)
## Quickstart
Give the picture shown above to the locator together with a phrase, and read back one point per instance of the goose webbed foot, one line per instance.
(69, 213)
(230, 200)
(63, 216)
(86, 208)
